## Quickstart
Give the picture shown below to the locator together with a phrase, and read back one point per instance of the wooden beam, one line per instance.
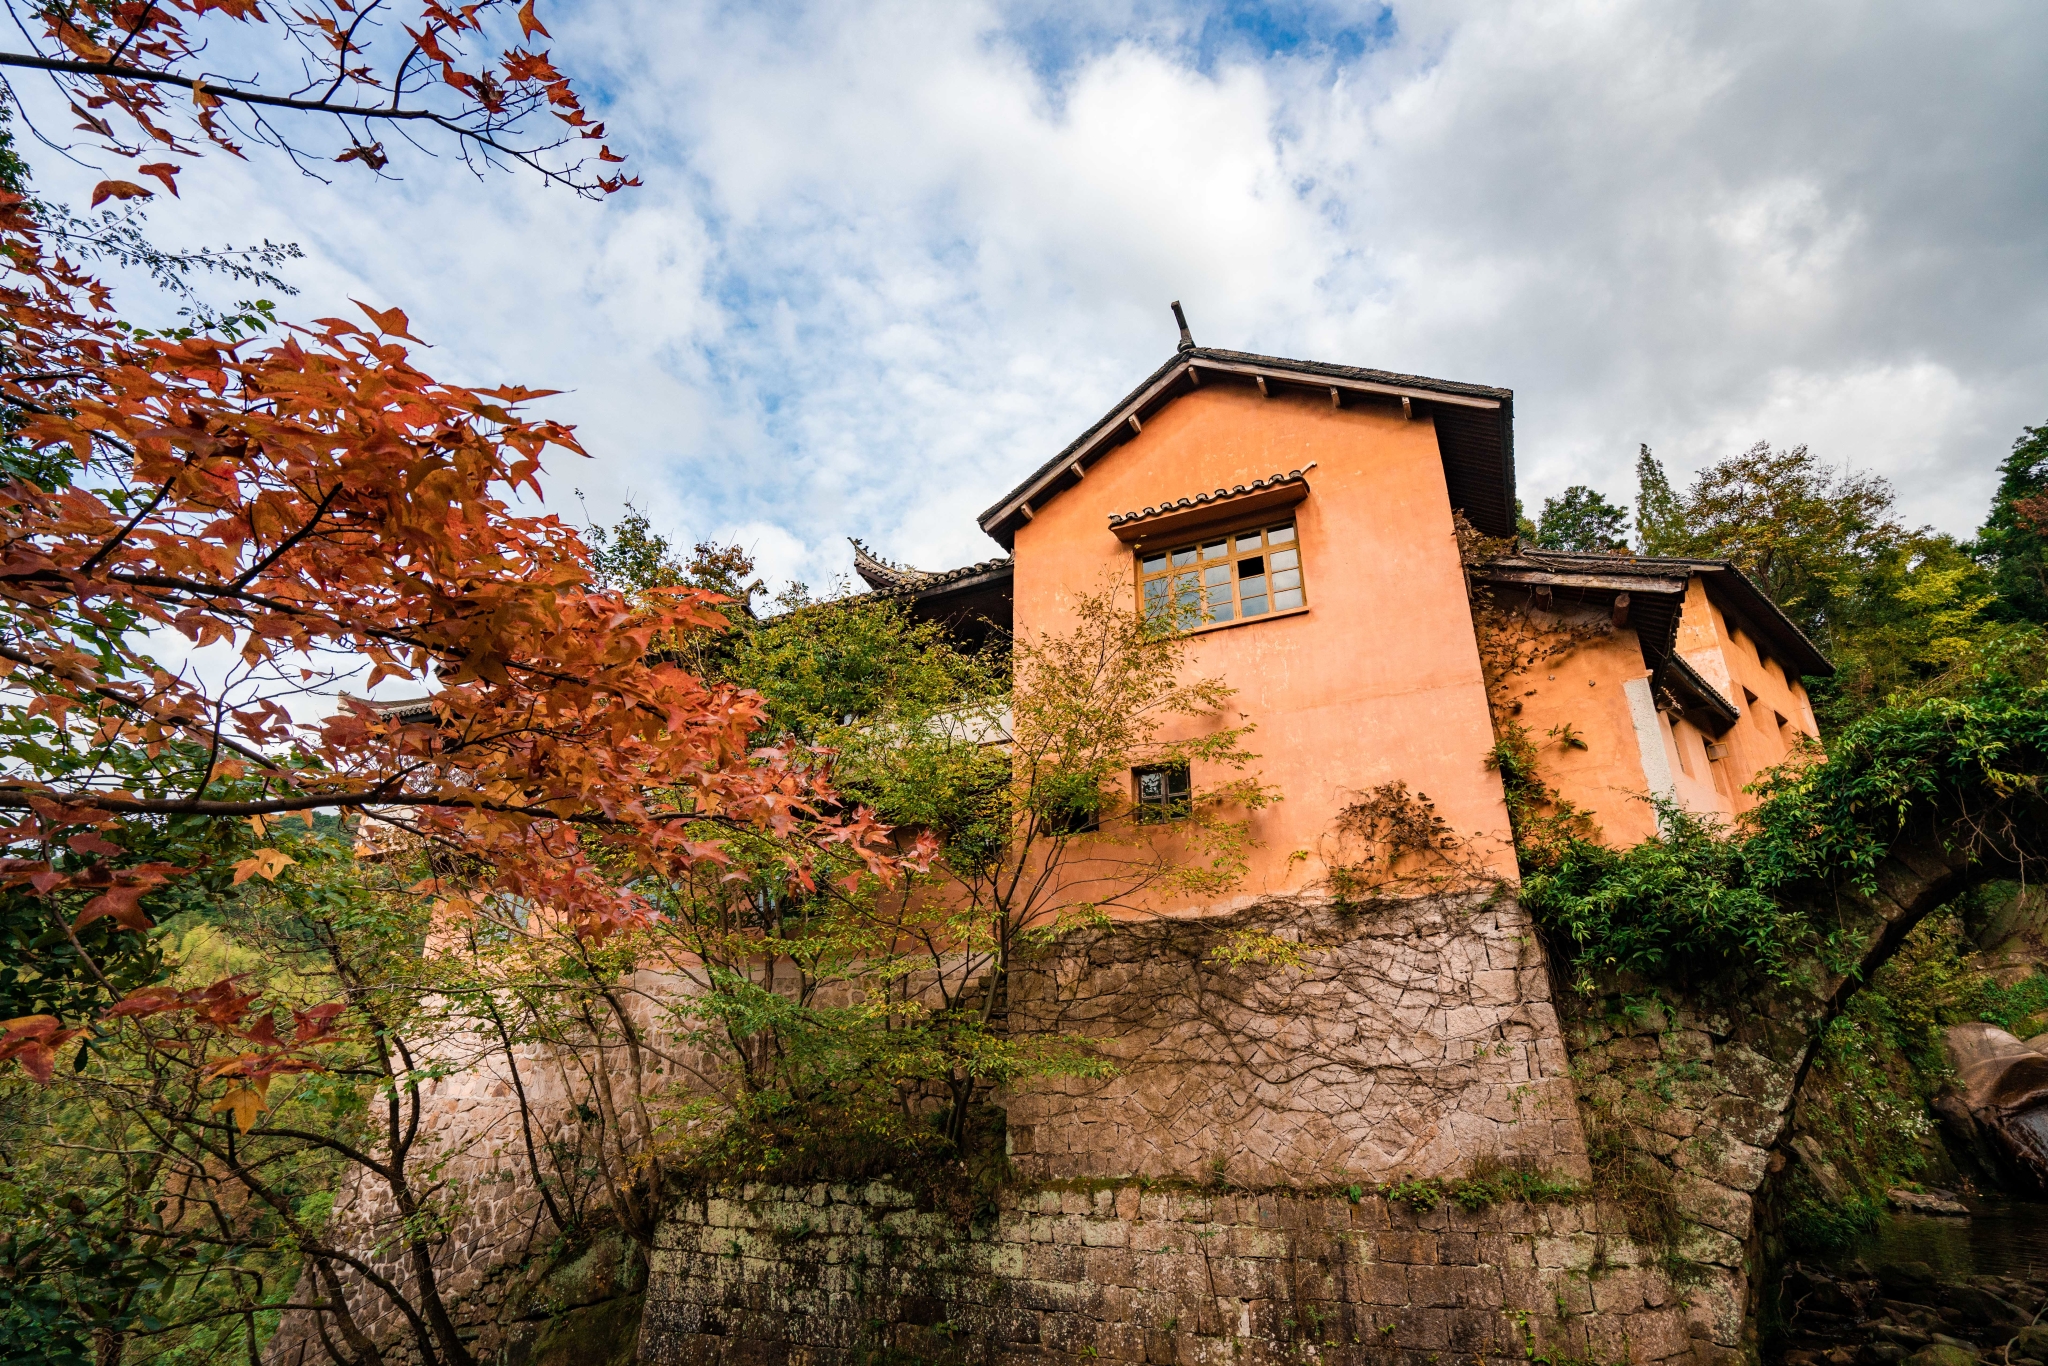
(1194, 377)
(1025, 508)
(1263, 391)
(1336, 397)
(1359, 386)
(1621, 609)
(1136, 426)
(1407, 407)
(1079, 473)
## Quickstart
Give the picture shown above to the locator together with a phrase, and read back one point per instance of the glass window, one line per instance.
(1248, 574)
(1164, 792)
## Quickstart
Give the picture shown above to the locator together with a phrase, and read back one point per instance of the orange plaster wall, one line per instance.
(1585, 690)
(1377, 680)
(1714, 643)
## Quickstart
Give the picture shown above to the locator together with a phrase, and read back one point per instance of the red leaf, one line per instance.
(33, 1041)
(528, 25)
(124, 903)
(164, 171)
(116, 189)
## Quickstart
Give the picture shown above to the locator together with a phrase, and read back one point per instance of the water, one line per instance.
(2000, 1238)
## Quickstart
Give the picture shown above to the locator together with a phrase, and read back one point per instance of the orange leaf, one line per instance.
(528, 25)
(264, 863)
(392, 322)
(245, 1102)
(116, 189)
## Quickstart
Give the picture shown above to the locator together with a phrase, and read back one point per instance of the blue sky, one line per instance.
(890, 256)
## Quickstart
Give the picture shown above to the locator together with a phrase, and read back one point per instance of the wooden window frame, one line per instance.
(1176, 801)
(1216, 558)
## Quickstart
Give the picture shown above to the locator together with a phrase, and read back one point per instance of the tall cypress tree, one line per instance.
(1660, 516)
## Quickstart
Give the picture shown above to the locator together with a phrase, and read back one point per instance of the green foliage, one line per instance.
(1581, 519)
(1966, 758)
(1877, 1065)
(2013, 542)
(1890, 606)
(1663, 909)
(1487, 1184)
(1660, 517)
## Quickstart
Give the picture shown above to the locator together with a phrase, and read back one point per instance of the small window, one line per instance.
(1164, 793)
(1248, 574)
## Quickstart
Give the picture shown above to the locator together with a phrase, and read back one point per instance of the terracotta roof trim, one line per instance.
(1271, 481)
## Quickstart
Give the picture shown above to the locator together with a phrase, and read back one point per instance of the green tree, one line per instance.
(2013, 542)
(1660, 517)
(1581, 519)
(1890, 605)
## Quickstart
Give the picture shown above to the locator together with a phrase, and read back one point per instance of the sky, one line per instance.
(888, 257)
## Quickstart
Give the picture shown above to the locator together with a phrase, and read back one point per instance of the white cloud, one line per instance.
(890, 256)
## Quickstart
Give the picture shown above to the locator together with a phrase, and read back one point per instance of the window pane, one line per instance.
(1248, 541)
(1217, 573)
(1251, 568)
(1222, 611)
(1152, 786)
(1280, 533)
(1177, 782)
(1253, 587)
(1219, 593)
(1287, 578)
(1181, 557)
(1155, 564)
(1254, 607)
(1286, 559)
(1286, 598)
(1155, 589)
(1216, 551)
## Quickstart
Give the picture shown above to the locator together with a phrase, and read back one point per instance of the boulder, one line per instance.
(1938, 1203)
(2004, 1089)
(1942, 1354)
(1909, 1281)
(1981, 1308)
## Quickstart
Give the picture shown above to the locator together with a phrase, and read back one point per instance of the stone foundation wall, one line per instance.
(824, 1275)
(1413, 1037)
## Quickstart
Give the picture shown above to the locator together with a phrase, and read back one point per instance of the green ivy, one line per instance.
(1964, 761)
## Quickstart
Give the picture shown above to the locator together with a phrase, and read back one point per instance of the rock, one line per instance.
(2004, 1085)
(2032, 1341)
(1821, 1170)
(1979, 1306)
(1885, 1353)
(1910, 1281)
(1812, 1292)
(1942, 1354)
(1928, 1202)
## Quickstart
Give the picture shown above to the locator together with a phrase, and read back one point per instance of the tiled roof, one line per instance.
(1271, 481)
(883, 576)
(1763, 616)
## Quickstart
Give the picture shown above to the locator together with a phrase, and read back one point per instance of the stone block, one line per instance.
(1658, 1335)
(1457, 1249)
(1413, 1247)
